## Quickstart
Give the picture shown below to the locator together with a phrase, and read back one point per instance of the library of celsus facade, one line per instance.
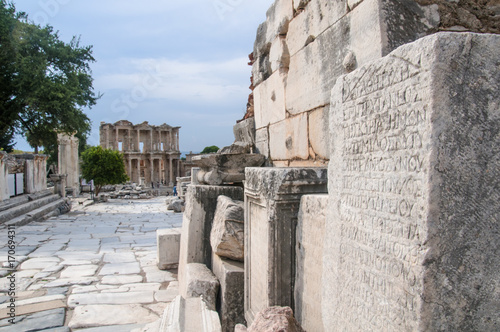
(151, 153)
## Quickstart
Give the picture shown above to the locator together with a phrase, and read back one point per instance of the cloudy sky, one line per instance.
(183, 63)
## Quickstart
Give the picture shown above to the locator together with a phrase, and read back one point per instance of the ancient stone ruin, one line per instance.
(378, 206)
(151, 152)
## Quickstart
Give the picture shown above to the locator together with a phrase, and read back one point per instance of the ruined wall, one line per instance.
(304, 46)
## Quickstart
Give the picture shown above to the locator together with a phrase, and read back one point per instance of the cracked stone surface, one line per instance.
(92, 269)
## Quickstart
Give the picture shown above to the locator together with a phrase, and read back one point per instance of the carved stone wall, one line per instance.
(412, 232)
(151, 152)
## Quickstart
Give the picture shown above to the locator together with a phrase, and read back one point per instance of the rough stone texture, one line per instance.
(262, 141)
(43, 320)
(275, 319)
(177, 205)
(314, 42)
(236, 148)
(153, 145)
(227, 238)
(68, 162)
(201, 203)
(412, 232)
(244, 131)
(217, 168)
(272, 197)
(309, 250)
(87, 316)
(4, 172)
(35, 173)
(200, 281)
(230, 300)
(168, 242)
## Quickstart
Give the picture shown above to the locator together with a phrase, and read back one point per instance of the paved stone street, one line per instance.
(93, 269)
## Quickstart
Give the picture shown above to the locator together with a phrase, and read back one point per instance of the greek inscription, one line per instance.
(406, 163)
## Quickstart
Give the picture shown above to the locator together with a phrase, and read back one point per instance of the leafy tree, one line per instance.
(44, 82)
(104, 166)
(210, 149)
(6, 141)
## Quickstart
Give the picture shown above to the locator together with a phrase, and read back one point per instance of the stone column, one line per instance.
(4, 172)
(116, 140)
(130, 168)
(59, 184)
(412, 240)
(107, 137)
(171, 172)
(138, 148)
(272, 198)
(68, 162)
(139, 171)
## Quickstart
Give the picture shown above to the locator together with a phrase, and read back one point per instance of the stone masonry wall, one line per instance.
(304, 46)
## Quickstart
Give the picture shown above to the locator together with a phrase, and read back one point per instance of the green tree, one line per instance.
(104, 166)
(44, 82)
(210, 149)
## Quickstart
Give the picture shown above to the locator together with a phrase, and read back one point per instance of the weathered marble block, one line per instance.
(309, 252)
(230, 301)
(168, 243)
(272, 197)
(200, 281)
(201, 202)
(227, 237)
(412, 239)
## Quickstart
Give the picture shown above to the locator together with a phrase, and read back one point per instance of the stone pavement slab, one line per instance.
(92, 266)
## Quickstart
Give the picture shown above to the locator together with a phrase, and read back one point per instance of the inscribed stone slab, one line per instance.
(413, 182)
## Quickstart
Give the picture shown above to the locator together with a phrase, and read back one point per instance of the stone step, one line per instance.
(189, 315)
(26, 207)
(45, 211)
(16, 201)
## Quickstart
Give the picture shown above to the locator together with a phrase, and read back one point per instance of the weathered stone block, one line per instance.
(272, 197)
(201, 202)
(168, 243)
(218, 168)
(269, 100)
(262, 141)
(309, 252)
(275, 319)
(244, 131)
(200, 281)
(230, 301)
(226, 237)
(319, 133)
(279, 56)
(288, 139)
(413, 181)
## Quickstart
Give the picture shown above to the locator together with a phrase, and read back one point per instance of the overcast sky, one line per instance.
(183, 63)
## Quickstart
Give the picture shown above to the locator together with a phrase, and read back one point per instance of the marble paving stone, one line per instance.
(87, 316)
(111, 298)
(39, 263)
(115, 328)
(91, 289)
(121, 268)
(153, 274)
(78, 271)
(122, 257)
(38, 321)
(121, 279)
(71, 282)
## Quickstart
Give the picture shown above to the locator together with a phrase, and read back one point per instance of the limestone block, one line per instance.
(383, 25)
(278, 17)
(317, 17)
(279, 56)
(262, 141)
(236, 148)
(232, 290)
(269, 100)
(200, 281)
(168, 243)
(244, 131)
(288, 139)
(309, 253)
(226, 237)
(201, 203)
(413, 179)
(275, 319)
(177, 205)
(319, 132)
(272, 197)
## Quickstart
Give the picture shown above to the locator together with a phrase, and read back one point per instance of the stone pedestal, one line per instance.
(35, 173)
(4, 181)
(68, 162)
(272, 197)
(59, 184)
(412, 239)
(201, 203)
